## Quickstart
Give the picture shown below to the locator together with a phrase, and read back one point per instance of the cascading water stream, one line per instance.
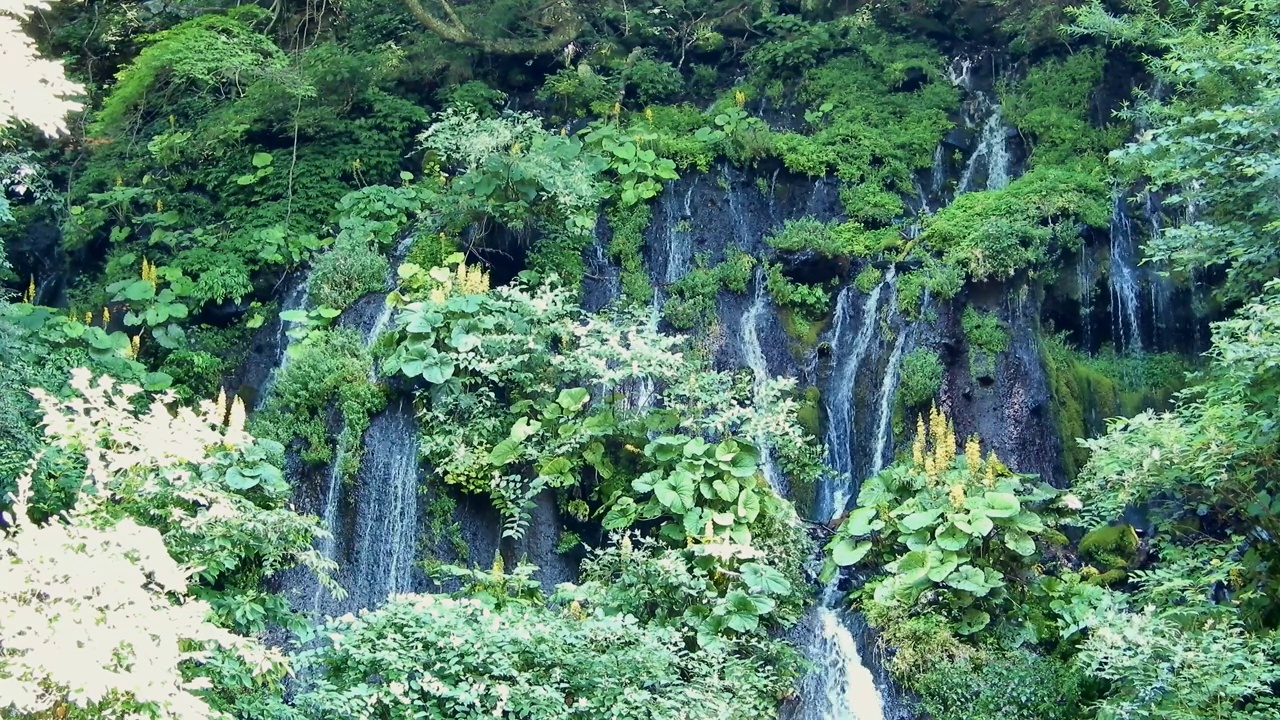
(840, 406)
(840, 686)
(1126, 307)
(888, 388)
(990, 155)
(385, 495)
(296, 299)
(753, 354)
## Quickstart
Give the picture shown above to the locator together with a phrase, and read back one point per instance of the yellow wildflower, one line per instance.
(648, 114)
(957, 496)
(31, 290)
(739, 98)
(106, 316)
(972, 455)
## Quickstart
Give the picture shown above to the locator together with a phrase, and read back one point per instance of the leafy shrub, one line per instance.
(997, 233)
(580, 91)
(652, 81)
(542, 663)
(328, 369)
(921, 377)
(1016, 685)
(984, 331)
(958, 532)
(347, 272)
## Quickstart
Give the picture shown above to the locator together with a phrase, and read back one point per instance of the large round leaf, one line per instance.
(920, 519)
(1001, 504)
(1020, 542)
(676, 491)
(950, 537)
(861, 521)
(972, 621)
(913, 568)
(846, 551)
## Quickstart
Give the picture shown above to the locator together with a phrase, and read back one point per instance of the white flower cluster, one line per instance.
(32, 89)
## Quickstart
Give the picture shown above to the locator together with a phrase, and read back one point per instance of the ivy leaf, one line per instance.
(950, 537)
(237, 480)
(1028, 521)
(504, 452)
(969, 579)
(913, 568)
(740, 612)
(573, 399)
(920, 519)
(1001, 504)
(748, 505)
(862, 521)
(972, 621)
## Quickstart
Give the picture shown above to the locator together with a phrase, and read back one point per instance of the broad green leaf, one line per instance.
(504, 452)
(764, 579)
(1001, 504)
(846, 551)
(920, 519)
(862, 521)
(621, 515)
(573, 399)
(950, 537)
(1020, 542)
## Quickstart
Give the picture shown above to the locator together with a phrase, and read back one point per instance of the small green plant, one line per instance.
(986, 336)
(349, 270)
(921, 377)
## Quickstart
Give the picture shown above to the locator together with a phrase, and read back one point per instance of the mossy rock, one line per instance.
(1113, 546)
(809, 414)
(1107, 579)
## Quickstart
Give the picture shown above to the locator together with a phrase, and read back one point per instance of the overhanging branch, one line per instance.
(451, 29)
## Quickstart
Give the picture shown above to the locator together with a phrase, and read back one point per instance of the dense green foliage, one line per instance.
(492, 166)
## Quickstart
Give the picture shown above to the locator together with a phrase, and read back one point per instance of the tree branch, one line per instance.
(453, 30)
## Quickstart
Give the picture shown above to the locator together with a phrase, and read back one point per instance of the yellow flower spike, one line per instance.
(436, 295)
(617, 109)
(220, 406)
(88, 318)
(515, 148)
(31, 289)
(973, 455)
(917, 445)
(989, 479)
(648, 114)
(235, 423)
(119, 181)
(576, 612)
(564, 131)
(739, 98)
(498, 568)
(136, 344)
(956, 494)
(106, 315)
(625, 545)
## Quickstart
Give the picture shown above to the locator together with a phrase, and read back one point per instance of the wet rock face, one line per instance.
(1006, 403)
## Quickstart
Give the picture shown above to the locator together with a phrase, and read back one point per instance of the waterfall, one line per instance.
(386, 495)
(888, 387)
(296, 299)
(839, 687)
(753, 354)
(384, 539)
(328, 547)
(840, 406)
(1123, 278)
(991, 155)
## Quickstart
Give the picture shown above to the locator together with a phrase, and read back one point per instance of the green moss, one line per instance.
(869, 133)
(628, 224)
(1086, 391)
(691, 302)
(809, 414)
(832, 240)
(921, 377)
(997, 233)
(328, 370)
(1051, 107)
(868, 278)
(1113, 546)
(986, 337)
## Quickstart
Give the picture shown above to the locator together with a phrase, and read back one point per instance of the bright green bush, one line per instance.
(347, 272)
(921, 377)
(1013, 685)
